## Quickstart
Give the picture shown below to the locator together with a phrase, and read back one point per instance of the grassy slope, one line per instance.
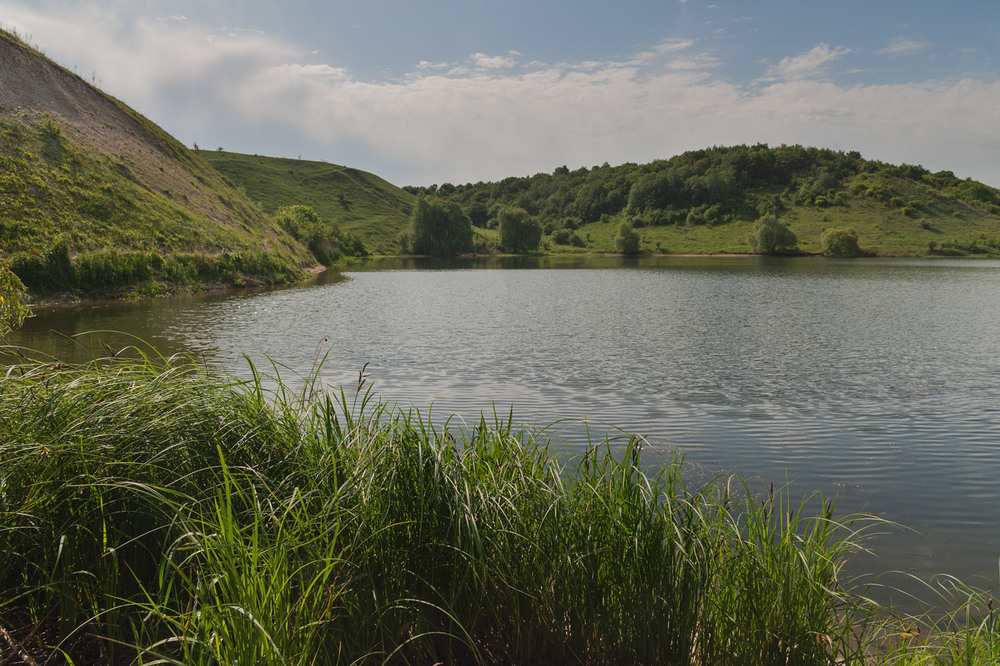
(882, 230)
(81, 169)
(54, 188)
(357, 201)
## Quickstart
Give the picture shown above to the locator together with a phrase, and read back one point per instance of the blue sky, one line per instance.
(466, 90)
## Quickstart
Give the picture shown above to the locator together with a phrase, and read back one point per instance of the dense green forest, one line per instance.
(707, 200)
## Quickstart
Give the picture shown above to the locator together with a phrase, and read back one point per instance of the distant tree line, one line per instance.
(439, 227)
(706, 187)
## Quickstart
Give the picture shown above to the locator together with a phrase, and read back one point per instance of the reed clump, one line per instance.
(155, 512)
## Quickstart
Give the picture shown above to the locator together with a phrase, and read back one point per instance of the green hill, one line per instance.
(707, 201)
(97, 200)
(354, 200)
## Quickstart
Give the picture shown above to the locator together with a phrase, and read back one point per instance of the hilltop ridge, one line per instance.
(706, 201)
(356, 201)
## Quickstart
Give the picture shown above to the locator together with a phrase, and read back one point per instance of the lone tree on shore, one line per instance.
(769, 236)
(627, 240)
(439, 228)
(840, 243)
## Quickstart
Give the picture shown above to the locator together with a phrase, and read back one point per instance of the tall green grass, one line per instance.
(958, 624)
(112, 272)
(155, 512)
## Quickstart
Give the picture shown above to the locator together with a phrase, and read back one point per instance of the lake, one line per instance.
(875, 381)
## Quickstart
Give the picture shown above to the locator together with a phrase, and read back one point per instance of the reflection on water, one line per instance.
(875, 380)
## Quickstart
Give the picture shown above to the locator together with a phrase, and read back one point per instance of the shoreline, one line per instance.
(59, 302)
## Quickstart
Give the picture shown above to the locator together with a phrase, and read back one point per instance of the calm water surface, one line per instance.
(877, 381)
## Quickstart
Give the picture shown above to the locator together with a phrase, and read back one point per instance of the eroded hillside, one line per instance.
(80, 172)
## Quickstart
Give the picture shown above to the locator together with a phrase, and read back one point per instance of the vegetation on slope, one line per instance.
(707, 201)
(84, 176)
(327, 241)
(354, 201)
(13, 301)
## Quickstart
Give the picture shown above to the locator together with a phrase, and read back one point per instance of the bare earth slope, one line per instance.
(79, 168)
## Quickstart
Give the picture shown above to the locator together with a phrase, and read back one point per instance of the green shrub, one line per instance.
(13, 300)
(519, 231)
(561, 236)
(769, 236)
(48, 271)
(29, 268)
(325, 240)
(840, 243)
(111, 268)
(439, 228)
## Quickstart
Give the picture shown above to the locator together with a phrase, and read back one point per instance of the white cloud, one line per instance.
(697, 61)
(444, 122)
(901, 46)
(492, 62)
(425, 64)
(673, 45)
(657, 52)
(806, 65)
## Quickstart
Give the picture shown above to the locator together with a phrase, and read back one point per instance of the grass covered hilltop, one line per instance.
(154, 512)
(96, 200)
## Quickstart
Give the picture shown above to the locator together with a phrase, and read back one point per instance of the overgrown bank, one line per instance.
(152, 510)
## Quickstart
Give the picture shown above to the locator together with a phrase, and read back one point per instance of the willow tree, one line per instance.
(439, 228)
(769, 236)
(519, 232)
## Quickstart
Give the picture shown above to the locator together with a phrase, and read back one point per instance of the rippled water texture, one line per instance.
(877, 381)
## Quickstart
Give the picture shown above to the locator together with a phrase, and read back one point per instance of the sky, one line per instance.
(463, 91)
